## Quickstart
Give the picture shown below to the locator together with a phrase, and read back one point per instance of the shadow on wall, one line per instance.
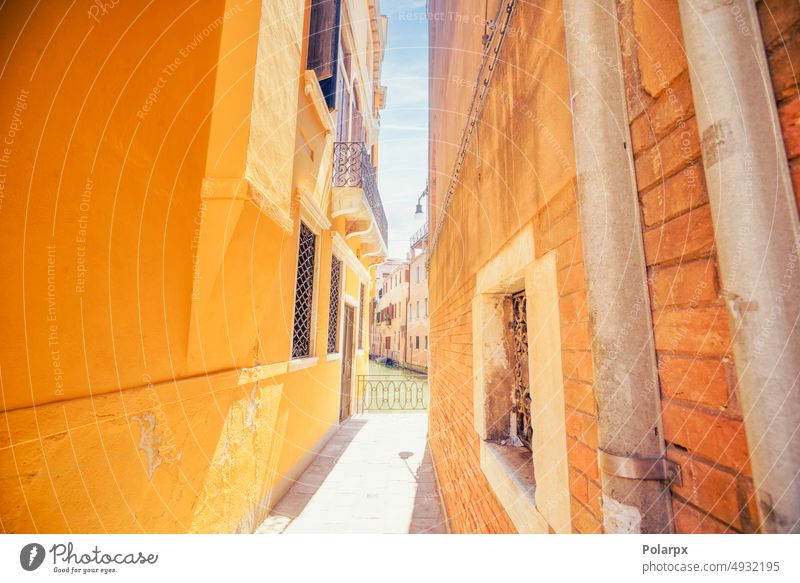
(427, 516)
(198, 456)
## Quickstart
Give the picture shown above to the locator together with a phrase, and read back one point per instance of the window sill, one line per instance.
(509, 471)
(334, 356)
(301, 363)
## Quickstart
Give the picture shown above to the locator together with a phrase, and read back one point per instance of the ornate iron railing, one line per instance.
(391, 393)
(352, 166)
(521, 412)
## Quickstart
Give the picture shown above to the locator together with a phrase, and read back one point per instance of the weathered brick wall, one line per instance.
(780, 28)
(471, 505)
(519, 169)
(557, 229)
(526, 173)
(702, 419)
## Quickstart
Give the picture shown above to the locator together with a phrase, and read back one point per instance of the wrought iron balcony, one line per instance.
(420, 238)
(352, 167)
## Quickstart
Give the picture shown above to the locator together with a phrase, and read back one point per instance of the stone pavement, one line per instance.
(375, 475)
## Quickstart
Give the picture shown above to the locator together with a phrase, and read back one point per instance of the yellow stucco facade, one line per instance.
(158, 163)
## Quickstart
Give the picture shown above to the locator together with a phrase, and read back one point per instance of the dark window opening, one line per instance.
(304, 293)
(333, 306)
(361, 301)
(521, 396)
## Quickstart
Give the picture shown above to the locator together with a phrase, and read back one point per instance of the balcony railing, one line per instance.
(421, 236)
(352, 167)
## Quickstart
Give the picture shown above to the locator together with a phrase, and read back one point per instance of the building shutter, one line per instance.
(323, 37)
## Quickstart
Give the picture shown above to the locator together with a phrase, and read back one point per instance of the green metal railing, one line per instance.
(391, 393)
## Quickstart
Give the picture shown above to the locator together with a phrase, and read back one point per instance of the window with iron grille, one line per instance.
(333, 306)
(361, 294)
(304, 293)
(521, 396)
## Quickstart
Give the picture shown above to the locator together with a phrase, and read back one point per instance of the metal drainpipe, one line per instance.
(756, 233)
(636, 495)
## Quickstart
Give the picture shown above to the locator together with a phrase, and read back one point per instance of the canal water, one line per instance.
(381, 369)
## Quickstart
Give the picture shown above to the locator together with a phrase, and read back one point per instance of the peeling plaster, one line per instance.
(251, 409)
(149, 441)
(225, 456)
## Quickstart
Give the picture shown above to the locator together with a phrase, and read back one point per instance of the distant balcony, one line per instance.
(419, 239)
(356, 193)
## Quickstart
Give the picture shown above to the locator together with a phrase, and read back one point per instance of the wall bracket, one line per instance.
(638, 468)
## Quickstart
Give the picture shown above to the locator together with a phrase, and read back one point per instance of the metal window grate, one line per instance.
(361, 301)
(521, 396)
(304, 293)
(333, 306)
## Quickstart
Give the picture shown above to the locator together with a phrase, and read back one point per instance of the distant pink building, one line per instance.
(400, 323)
(417, 313)
(389, 325)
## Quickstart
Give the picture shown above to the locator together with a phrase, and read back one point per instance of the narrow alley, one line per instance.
(420, 266)
(374, 476)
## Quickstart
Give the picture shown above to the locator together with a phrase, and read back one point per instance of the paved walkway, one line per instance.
(374, 476)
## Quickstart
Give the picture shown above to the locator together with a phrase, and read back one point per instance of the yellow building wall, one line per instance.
(101, 195)
(149, 300)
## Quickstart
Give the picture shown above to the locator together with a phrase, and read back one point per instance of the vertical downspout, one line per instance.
(636, 495)
(756, 233)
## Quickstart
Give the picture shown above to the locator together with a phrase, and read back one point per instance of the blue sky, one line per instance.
(403, 158)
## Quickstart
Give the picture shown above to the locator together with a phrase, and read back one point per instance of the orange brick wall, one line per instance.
(701, 416)
(471, 505)
(780, 27)
(557, 229)
(518, 170)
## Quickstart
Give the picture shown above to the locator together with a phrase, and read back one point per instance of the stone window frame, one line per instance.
(312, 309)
(533, 487)
(314, 219)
